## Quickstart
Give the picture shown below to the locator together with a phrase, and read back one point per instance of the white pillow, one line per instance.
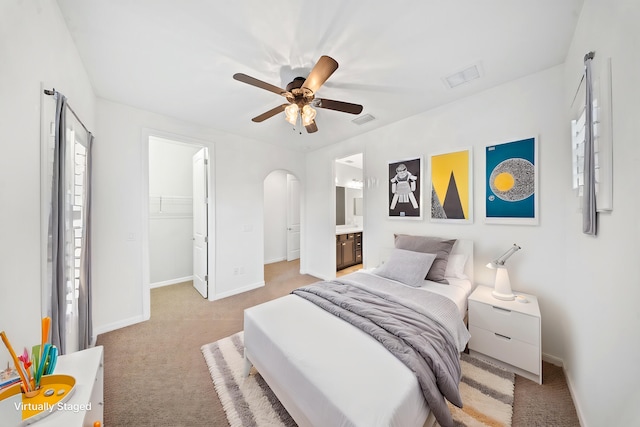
(407, 267)
(455, 266)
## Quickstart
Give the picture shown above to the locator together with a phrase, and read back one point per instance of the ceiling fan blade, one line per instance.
(320, 73)
(264, 116)
(312, 127)
(259, 83)
(345, 107)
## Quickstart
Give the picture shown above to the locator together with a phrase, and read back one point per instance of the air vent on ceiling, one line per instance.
(464, 76)
(363, 119)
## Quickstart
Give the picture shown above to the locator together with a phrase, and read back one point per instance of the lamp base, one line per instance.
(503, 297)
(502, 288)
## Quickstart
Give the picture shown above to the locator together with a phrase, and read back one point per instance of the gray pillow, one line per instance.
(407, 267)
(432, 245)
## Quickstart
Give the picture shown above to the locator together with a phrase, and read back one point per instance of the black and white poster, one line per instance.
(405, 188)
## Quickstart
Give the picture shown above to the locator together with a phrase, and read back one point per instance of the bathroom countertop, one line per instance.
(348, 229)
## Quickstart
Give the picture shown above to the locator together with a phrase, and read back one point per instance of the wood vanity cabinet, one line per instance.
(348, 250)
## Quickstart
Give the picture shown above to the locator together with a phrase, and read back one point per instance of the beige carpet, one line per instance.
(155, 374)
(486, 390)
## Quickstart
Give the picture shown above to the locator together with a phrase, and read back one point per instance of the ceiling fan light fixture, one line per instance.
(291, 113)
(308, 115)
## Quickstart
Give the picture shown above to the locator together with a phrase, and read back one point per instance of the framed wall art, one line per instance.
(405, 188)
(511, 173)
(452, 187)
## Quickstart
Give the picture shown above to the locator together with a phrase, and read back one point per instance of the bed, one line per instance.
(326, 371)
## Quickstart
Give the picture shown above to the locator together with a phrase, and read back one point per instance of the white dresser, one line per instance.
(86, 367)
(507, 332)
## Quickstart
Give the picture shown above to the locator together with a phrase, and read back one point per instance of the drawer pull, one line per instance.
(501, 309)
(502, 336)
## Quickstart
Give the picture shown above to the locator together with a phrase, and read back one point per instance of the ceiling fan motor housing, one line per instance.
(297, 94)
(295, 84)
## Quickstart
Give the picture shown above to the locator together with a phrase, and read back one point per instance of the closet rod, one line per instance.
(53, 92)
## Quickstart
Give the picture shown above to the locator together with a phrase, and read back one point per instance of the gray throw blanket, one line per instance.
(403, 326)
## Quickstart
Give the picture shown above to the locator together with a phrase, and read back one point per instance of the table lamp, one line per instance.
(502, 288)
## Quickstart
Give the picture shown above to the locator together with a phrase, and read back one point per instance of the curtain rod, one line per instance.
(53, 92)
(588, 55)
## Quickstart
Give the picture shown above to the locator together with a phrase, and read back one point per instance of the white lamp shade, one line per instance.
(502, 289)
(291, 113)
(308, 115)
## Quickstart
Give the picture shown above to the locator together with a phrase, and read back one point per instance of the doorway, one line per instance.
(178, 189)
(281, 217)
(349, 207)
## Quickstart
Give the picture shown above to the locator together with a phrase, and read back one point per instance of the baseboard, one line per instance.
(576, 403)
(116, 325)
(318, 275)
(554, 360)
(237, 291)
(170, 282)
(274, 260)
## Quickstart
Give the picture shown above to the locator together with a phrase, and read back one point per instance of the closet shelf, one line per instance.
(167, 206)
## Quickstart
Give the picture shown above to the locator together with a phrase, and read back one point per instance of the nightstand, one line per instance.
(506, 332)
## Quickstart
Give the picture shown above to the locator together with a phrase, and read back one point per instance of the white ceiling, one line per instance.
(177, 57)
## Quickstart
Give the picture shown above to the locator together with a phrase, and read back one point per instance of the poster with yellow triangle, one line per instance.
(451, 187)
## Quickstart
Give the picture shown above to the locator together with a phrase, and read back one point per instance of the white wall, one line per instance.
(275, 217)
(603, 282)
(532, 106)
(239, 167)
(36, 47)
(171, 218)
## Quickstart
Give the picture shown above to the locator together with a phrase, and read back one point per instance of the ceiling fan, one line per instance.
(300, 94)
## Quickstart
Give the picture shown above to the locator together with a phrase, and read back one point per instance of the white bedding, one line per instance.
(347, 387)
(458, 290)
(327, 372)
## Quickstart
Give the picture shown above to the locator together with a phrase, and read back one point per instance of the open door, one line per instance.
(293, 218)
(200, 224)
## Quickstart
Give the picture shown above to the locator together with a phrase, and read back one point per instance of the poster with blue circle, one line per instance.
(511, 182)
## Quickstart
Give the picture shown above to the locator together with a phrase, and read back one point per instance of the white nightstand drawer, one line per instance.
(510, 350)
(505, 322)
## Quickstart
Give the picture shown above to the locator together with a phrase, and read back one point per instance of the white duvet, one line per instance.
(326, 372)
